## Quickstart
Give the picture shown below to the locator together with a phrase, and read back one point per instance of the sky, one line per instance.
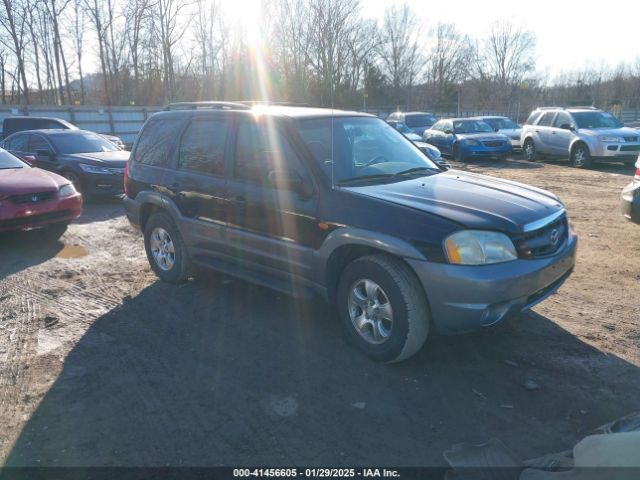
(570, 34)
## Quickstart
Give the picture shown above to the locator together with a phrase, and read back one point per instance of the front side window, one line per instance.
(562, 118)
(263, 154)
(81, 143)
(202, 146)
(38, 143)
(358, 148)
(156, 140)
(596, 120)
(471, 126)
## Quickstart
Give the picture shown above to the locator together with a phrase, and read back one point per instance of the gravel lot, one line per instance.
(100, 364)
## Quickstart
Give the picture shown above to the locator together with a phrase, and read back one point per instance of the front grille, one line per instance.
(34, 219)
(630, 148)
(539, 242)
(492, 143)
(630, 139)
(36, 197)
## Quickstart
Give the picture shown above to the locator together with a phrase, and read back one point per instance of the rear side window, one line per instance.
(547, 119)
(156, 140)
(38, 143)
(533, 117)
(202, 146)
(17, 143)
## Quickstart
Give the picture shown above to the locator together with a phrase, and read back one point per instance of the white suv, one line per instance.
(584, 134)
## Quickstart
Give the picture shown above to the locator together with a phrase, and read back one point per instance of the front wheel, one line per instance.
(165, 249)
(529, 150)
(74, 179)
(580, 156)
(383, 308)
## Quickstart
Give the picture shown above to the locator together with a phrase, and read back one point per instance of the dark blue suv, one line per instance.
(339, 204)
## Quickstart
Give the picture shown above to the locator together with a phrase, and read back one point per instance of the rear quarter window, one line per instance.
(156, 141)
(532, 118)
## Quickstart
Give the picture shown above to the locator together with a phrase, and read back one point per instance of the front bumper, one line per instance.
(615, 151)
(515, 143)
(28, 217)
(102, 184)
(465, 298)
(631, 202)
(484, 151)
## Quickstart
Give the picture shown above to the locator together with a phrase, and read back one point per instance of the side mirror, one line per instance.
(496, 129)
(448, 132)
(567, 126)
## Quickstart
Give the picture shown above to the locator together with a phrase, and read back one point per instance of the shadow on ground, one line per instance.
(20, 250)
(101, 209)
(218, 372)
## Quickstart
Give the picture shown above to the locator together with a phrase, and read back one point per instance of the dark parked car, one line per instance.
(631, 197)
(341, 205)
(94, 165)
(31, 198)
(418, 122)
(464, 138)
(11, 125)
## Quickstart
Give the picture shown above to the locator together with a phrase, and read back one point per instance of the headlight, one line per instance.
(94, 169)
(67, 191)
(478, 247)
(472, 142)
(608, 138)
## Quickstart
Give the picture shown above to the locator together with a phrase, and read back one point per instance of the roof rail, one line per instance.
(583, 107)
(207, 105)
(550, 108)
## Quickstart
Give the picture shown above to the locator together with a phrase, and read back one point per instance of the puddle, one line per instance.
(72, 251)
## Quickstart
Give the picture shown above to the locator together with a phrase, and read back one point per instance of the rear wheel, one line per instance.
(383, 308)
(580, 156)
(529, 150)
(165, 249)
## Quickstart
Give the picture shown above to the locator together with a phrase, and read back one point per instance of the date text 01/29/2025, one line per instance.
(315, 472)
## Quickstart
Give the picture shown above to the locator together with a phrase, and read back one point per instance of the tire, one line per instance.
(73, 178)
(165, 249)
(580, 156)
(529, 151)
(457, 153)
(384, 280)
(55, 231)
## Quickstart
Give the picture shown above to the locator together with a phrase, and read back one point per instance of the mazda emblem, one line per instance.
(34, 199)
(554, 237)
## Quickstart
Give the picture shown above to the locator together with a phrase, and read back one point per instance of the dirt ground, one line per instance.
(101, 364)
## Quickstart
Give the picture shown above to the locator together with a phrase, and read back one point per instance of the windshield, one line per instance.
(351, 148)
(9, 161)
(471, 126)
(501, 123)
(421, 120)
(596, 120)
(81, 143)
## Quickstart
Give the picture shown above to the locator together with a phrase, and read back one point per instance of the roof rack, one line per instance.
(550, 108)
(207, 105)
(582, 107)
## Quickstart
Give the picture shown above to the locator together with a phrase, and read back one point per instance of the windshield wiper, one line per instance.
(416, 170)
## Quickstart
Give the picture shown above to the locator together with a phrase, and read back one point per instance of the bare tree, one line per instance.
(398, 49)
(12, 20)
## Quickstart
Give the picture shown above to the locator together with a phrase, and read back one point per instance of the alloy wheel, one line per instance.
(370, 311)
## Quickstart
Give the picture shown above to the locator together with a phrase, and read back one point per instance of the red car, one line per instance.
(33, 198)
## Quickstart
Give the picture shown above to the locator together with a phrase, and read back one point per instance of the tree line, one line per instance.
(320, 52)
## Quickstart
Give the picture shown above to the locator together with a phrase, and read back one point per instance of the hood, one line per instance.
(116, 159)
(616, 132)
(17, 181)
(472, 200)
(482, 137)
